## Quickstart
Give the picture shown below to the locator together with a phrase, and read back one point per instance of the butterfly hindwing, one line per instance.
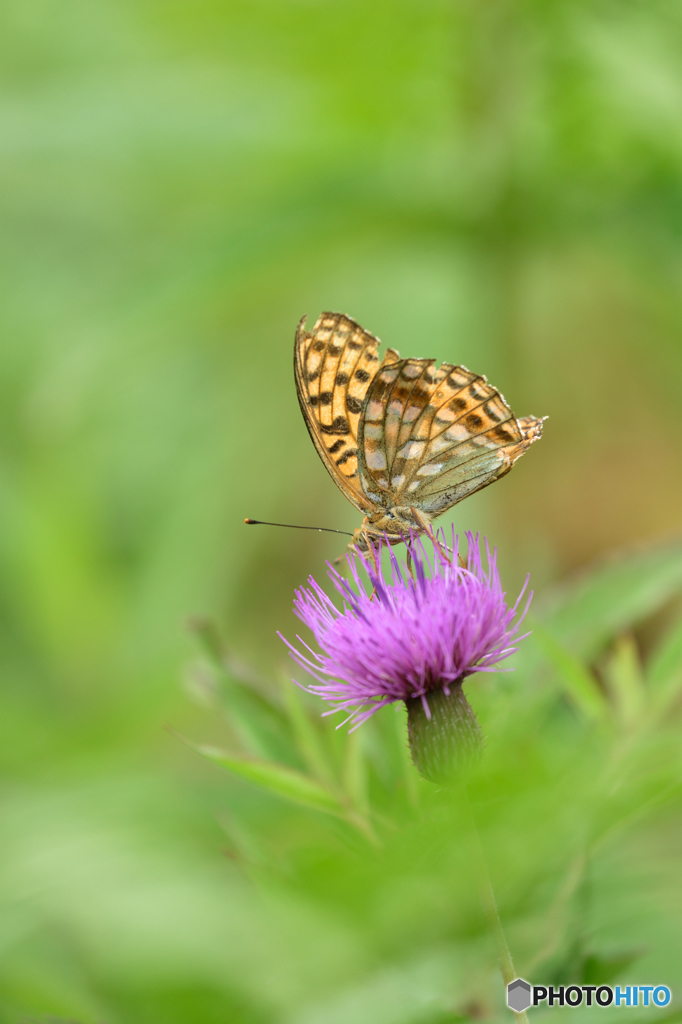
(429, 437)
(334, 366)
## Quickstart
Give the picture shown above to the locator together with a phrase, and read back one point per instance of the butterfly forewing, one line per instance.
(334, 366)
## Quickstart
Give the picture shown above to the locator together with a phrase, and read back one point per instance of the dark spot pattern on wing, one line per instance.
(402, 432)
(335, 364)
(433, 435)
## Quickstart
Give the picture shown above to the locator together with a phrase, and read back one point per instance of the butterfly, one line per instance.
(403, 440)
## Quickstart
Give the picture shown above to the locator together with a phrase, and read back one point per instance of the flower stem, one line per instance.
(485, 890)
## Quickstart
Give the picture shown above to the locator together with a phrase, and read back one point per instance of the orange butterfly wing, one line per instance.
(334, 366)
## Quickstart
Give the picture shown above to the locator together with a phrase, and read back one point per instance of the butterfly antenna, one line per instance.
(293, 526)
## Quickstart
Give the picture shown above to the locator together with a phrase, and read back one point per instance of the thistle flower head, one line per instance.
(410, 637)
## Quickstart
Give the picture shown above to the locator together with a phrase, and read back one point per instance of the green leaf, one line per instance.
(602, 970)
(578, 682)
(355, 772)
(625, 681)
(664, 672)
(276, 779)
(585, 616)
(258, 724)
(307, 737)
(264, 730)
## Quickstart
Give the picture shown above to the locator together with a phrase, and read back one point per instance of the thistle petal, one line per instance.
(403, 637)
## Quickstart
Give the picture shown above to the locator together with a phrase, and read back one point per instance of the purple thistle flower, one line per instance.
(410, 639)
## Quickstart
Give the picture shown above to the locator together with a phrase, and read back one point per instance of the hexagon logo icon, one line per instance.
(518, 995)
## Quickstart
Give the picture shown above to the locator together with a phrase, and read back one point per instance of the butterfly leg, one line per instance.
(373, 555)
(426, 527)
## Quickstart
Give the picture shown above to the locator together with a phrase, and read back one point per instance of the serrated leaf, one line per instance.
(276, 779)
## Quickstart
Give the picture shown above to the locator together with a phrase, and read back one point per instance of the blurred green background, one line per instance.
(493, 182)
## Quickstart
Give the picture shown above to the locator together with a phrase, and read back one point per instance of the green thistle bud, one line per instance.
(446, 743)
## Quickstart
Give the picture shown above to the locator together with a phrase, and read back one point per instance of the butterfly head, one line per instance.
(393, 525)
